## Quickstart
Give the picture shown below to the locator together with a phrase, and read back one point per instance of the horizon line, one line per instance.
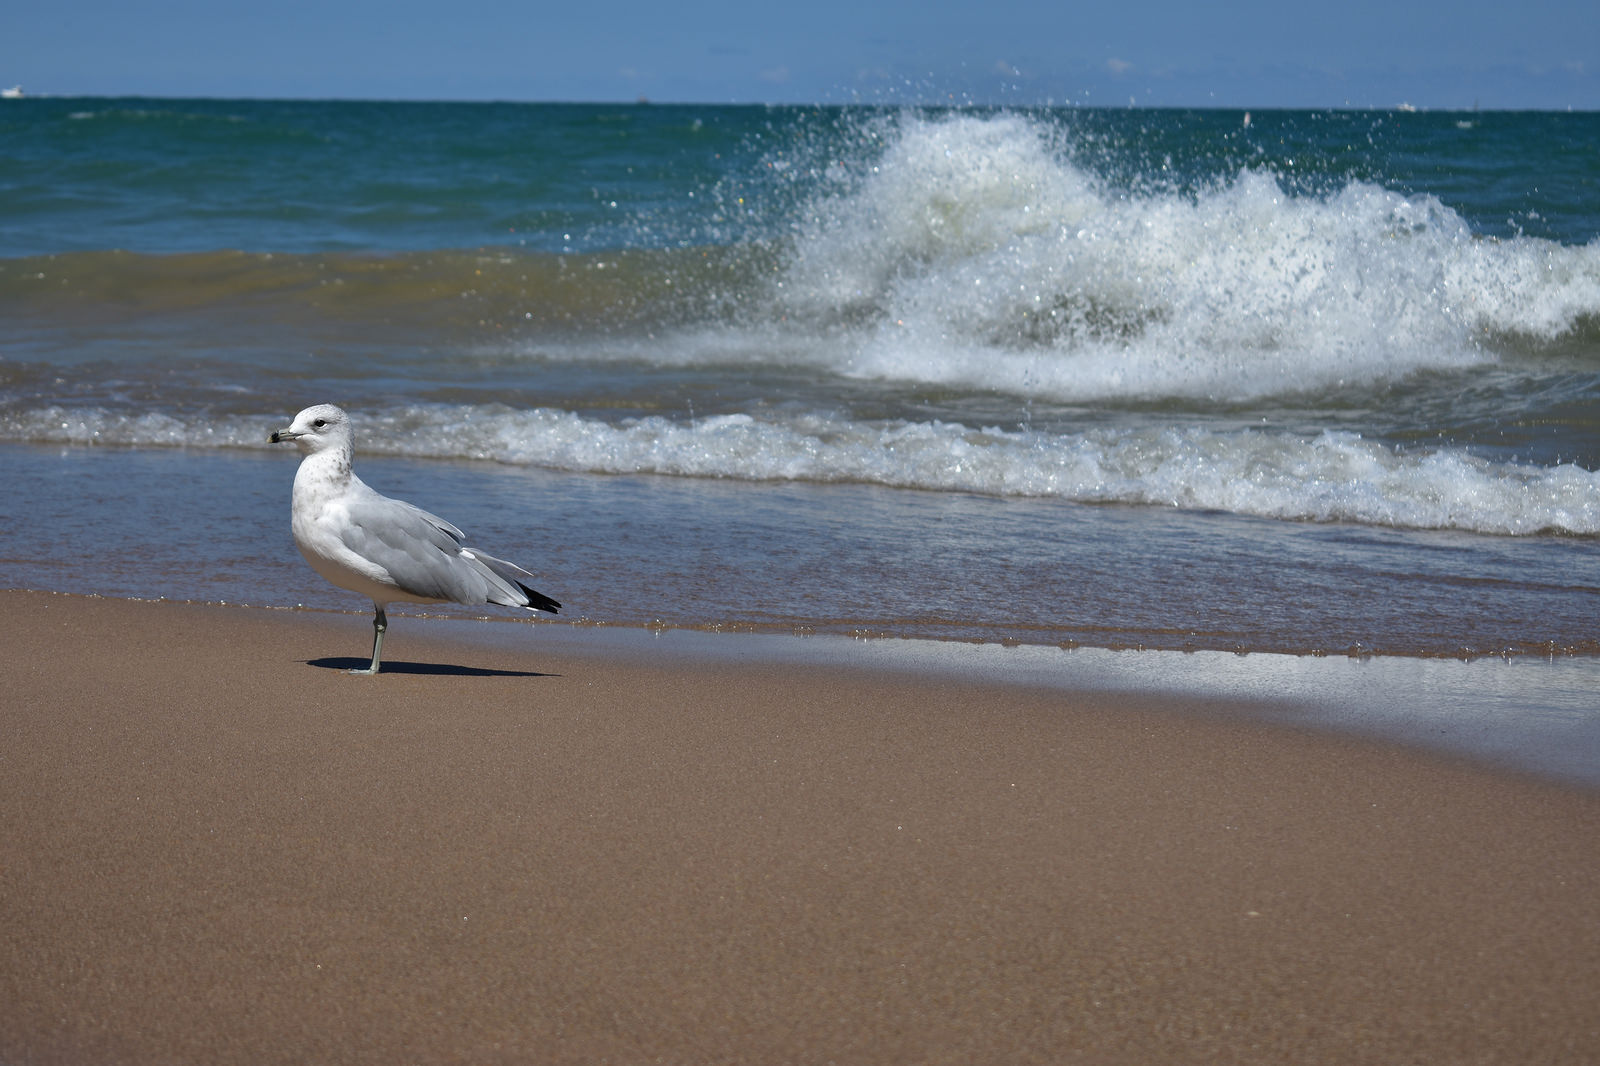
(1404, 107)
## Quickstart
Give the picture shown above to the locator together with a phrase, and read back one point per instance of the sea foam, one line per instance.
(1329, 476)
(976, 251)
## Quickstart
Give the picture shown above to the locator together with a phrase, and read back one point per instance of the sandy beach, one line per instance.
(215, 846)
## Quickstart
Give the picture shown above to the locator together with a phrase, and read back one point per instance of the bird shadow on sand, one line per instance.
(346, 664)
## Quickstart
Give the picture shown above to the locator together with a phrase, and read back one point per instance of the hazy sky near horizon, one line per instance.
(1360, 53)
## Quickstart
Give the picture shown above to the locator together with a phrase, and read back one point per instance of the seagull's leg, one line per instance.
(380, 623)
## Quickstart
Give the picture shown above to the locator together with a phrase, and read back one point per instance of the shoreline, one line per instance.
(1521, 714)
(220, 847)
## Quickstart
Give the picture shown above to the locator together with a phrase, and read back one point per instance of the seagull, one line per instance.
(382, 548)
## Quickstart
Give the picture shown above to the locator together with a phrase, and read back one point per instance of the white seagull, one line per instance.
(384, 549)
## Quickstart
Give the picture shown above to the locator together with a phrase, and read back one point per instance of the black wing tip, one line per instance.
(538, 601)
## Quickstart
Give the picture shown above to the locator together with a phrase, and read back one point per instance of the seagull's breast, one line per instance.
(335, 542)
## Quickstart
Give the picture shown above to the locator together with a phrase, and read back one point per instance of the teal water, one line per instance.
(1311, 382)
(163, 176)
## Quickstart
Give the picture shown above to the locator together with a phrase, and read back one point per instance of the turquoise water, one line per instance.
(1311, 382)
(164, 176)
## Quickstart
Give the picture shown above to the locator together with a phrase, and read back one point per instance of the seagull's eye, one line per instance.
(319, 423)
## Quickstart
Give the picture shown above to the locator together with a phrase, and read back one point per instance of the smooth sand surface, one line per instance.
(215, 848)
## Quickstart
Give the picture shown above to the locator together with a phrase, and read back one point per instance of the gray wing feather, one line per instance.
(424, 555)
(503, 579)
(420, 551)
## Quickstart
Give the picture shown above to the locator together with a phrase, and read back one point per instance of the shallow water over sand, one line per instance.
(195, 524)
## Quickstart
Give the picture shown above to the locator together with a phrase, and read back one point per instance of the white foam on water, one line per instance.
(979, 254)
(976, 251)
(1329, 476)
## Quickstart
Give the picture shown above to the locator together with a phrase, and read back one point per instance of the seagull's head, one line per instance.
(316, 429)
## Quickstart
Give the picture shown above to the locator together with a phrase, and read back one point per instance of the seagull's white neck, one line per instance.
(323, 473)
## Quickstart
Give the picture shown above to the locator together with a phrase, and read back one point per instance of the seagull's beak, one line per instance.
(282, 435)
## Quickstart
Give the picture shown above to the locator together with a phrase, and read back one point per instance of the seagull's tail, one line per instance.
(505, 588)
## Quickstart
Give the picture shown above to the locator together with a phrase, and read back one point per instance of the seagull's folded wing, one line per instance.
(422, 555)
(420, 552)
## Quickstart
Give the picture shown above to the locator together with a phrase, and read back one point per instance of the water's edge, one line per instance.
(1525, 715)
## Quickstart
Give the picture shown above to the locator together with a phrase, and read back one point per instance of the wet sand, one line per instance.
(215, 846)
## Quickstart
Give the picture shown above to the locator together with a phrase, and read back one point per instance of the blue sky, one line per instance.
(1440, 53)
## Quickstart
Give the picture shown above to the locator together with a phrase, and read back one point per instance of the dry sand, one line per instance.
(214, 848)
